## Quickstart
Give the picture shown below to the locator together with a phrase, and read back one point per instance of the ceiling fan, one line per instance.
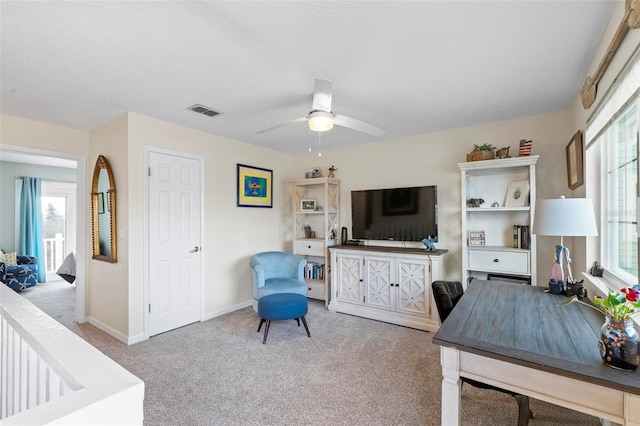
(320, 118)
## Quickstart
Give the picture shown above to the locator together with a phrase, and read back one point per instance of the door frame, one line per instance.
(81, 218)
(145, 231)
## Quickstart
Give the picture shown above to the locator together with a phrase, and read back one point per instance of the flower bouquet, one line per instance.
(619, 340)
(619, 306)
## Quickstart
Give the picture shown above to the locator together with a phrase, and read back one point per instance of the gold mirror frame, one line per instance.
(103, 212)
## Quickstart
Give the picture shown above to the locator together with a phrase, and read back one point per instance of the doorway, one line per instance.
(59, 211)
(52, 158)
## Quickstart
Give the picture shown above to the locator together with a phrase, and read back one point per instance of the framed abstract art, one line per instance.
(254, 187)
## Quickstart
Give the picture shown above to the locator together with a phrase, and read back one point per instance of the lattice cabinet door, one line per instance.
(380, 288)
(350, 279)
(413, 292)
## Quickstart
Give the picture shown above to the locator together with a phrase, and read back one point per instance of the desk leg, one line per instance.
(451, 386)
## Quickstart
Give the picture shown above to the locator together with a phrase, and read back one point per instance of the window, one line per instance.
(612, 137)
(620, 183)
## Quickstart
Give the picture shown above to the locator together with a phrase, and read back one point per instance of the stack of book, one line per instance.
(314, 271)
(521, 237)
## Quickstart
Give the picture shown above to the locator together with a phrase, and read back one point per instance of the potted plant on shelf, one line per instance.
(486, 151)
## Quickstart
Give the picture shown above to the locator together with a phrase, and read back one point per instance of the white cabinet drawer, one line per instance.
(310, 247)
(513, 262)
(315, 291)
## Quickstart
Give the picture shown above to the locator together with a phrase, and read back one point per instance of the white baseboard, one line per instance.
(115, 333)
(215, 314)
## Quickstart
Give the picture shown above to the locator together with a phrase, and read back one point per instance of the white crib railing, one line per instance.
(50, 375)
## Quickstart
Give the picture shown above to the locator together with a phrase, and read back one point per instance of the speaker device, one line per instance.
(343, 236)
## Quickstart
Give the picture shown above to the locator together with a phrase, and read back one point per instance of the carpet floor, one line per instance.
(352, 371)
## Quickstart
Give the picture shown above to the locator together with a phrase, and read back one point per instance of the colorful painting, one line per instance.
(255, 186)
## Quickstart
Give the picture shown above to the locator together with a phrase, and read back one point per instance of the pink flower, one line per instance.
(631, 294)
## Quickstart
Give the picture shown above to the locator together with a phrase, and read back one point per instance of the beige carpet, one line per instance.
(352, 371)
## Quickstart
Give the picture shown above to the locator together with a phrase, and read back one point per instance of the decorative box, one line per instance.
(481, 155)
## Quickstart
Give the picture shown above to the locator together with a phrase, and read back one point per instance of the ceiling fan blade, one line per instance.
(286, 123)
(361, 126)
(322, 95)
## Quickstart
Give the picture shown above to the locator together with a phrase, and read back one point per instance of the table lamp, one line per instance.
(564, 217)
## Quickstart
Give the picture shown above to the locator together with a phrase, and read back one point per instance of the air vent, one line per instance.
(201, 109)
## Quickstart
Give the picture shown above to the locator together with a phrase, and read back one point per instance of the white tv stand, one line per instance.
(388, 284)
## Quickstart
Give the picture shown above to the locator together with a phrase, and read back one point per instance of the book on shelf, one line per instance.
(521, 237)
(314, 271)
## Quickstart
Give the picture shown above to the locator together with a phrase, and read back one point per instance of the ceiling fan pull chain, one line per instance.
(319, 144)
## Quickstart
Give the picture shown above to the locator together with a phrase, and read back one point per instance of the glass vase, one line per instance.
(619, 344)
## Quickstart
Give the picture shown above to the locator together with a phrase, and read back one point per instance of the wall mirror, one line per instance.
(103, 212)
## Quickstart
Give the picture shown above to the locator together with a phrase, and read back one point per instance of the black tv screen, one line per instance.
(397, 214)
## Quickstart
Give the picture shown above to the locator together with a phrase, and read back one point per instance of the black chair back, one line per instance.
(446, 294)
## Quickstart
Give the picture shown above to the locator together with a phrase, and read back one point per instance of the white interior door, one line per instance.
(174, 242)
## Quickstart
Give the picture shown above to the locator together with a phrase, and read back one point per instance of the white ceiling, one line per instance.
(407, 67)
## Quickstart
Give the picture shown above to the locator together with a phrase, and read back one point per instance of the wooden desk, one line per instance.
(517, 338)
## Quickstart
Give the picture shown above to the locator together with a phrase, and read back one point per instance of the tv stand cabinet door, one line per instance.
(350, 279)
(380, 283)
(414, 283)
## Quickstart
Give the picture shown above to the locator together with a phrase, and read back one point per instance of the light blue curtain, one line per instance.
(30, 240)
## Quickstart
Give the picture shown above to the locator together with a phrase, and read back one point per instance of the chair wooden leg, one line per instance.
(260, 326)
(266, 331)
(304, 321)
(524, 412)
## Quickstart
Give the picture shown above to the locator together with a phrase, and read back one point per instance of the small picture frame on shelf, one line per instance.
(307, 205)
(476, 238)
(517, 194)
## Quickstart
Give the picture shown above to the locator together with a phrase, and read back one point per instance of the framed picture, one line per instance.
(509, 279)
(518, 194)
(575, 172)
(100, 202)
(307, 205)
(254, 187)
(476, 238)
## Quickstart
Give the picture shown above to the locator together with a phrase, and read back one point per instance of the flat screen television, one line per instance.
(396, 214)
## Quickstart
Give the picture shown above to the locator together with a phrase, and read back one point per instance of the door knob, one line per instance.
(195, 249)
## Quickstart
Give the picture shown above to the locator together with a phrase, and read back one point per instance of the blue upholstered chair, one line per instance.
(21, 276)
(277, 272)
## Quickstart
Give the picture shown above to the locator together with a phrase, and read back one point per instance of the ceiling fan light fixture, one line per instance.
(320, 121)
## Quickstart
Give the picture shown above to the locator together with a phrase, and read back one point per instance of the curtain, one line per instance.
(30, 239)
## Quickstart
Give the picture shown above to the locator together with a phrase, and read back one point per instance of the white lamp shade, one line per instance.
(320, 121)
(568, 217)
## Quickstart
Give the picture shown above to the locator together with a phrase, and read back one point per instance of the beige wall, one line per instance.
(431, 159)
(108, 292)
(231, 234)
(115, 292)
(37, 135)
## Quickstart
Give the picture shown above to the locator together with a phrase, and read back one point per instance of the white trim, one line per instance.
(108, 329)
(220, 312)
(81, 219)
(147, 150)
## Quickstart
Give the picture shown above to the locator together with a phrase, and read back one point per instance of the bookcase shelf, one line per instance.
(490, 180)
(324, 223)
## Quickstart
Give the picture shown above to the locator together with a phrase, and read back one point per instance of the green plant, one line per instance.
(619, 306)
(483, 147)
